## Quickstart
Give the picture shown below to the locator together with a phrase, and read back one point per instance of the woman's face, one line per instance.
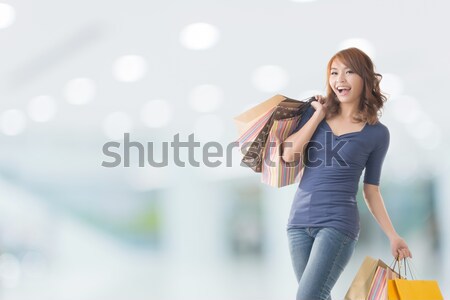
(346, 84)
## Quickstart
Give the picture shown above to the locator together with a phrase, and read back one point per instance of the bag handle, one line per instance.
(408, 265)
(408, 262)
(394, 263)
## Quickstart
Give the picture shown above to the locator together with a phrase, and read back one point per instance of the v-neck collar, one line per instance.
(328, 125)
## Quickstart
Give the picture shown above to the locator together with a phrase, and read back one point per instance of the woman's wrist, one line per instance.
(393, 236)
(319, 115)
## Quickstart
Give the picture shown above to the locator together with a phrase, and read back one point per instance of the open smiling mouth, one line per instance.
(343, 91)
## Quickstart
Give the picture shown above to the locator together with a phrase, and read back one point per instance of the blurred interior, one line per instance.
(76, 75)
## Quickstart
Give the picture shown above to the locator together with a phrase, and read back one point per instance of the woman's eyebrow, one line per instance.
(342, 68)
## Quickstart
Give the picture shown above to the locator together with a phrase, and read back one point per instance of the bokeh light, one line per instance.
(199, 36)
(361, 44)
(129, 68)
(12, 122)
(41, 108)
(7, 15)
(270, 78)
(392, 85)
(79, 91)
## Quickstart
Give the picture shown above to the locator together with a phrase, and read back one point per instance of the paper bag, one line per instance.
(403, 289)
(246, 119)
(378, 284)
(286, 109)
(275, 171)
(360, 286)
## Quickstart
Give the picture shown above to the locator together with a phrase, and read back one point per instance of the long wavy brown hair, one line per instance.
(372, 99)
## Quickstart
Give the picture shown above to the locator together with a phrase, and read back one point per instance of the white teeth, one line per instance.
(342, 88)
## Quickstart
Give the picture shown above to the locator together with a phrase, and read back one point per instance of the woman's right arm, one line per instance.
(293, 147)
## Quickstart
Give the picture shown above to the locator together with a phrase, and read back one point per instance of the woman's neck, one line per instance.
(348, 110)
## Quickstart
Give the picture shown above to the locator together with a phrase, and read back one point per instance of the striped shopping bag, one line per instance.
(379, 282)
(365, 283)
(253, 140)
(259, 131)
(247, 118)
(275, 171)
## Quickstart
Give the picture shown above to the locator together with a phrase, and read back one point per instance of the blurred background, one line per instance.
(75, 75)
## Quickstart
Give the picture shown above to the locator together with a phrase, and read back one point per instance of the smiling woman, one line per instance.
(351, 76)
(343, 81)
(337, 138)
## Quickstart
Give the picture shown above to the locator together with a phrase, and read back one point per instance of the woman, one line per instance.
(339, 135)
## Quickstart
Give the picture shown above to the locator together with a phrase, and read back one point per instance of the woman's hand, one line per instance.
(399, 248)
(320, 105)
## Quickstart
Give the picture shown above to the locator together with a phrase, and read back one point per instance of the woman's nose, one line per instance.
(340, 78)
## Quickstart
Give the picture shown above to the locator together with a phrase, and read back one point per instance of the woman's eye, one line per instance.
(333, 73)
(349, 71)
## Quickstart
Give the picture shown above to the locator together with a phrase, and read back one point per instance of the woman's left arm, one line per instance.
(375, 203)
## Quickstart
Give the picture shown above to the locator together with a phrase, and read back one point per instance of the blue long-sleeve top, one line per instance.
(326, 194)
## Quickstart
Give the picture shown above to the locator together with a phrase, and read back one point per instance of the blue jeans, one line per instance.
(319, 255)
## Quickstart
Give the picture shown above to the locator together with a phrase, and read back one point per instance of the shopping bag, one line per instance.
(253, 126)
(286, 109)
(378, 285)
(250, 135)
(246, 119)
(362, 282)
(275, 171)
(404, 289)
(253, 154)
(390, 274)
(413, 289)
(378, 288)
